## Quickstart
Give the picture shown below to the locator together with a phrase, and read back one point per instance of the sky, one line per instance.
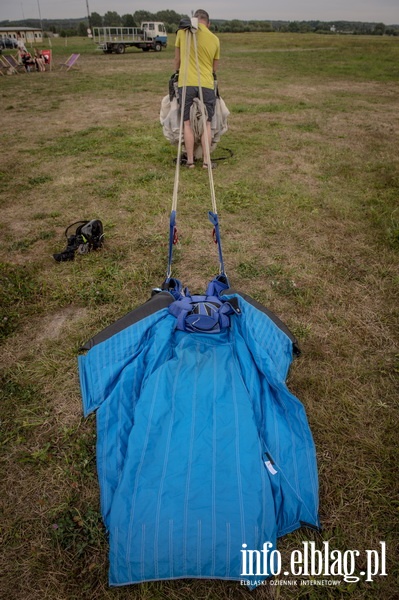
(381, 11)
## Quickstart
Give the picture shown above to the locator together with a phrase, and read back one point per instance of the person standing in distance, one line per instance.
(208, 57)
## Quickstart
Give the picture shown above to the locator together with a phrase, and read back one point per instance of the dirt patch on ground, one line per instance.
(34, 335)
(50, 327)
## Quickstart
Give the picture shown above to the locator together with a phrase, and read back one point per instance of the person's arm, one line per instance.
(177, 59)
(215, 65)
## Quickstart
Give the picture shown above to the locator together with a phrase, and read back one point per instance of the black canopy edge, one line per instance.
(163, 300)
(151, 306)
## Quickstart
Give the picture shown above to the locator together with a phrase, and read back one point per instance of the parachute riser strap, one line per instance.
(216, 233)
(172, 241)
(212, 215)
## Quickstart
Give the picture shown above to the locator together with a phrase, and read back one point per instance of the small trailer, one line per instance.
(150, 35)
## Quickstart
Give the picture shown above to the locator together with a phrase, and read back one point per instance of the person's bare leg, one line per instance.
(189, 143)
(206, 142)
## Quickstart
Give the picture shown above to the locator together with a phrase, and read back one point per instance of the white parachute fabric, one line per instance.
(170, 121)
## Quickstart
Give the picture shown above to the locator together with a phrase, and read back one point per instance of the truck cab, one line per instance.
(156, 31)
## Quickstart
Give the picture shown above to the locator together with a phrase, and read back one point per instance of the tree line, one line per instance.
(171, 19)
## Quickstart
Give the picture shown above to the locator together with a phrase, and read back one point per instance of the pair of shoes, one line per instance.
(205, 165)
(190, 165)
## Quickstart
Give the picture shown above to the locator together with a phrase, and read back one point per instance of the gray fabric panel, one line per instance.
(155, 303)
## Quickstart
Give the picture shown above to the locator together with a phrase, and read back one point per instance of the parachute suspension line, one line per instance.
(185, 76)
(213, 215)
(207, 145)
(173, 237)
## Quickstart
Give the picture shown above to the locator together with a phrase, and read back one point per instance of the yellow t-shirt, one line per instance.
(208, 50)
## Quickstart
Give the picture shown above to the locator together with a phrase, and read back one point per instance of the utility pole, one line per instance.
(90, 30)
(40, 16)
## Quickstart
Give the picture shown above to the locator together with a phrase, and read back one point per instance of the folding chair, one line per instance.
(47, 55)
(11, 63)
(3, 66)
(70, 62)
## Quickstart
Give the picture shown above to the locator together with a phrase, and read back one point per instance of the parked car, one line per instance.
(8, 42)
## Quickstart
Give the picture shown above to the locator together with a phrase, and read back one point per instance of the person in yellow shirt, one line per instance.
(208, 57)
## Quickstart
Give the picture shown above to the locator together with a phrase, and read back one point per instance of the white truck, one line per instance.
(151, 35)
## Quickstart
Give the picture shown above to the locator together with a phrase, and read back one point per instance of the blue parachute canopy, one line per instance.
(201, 447)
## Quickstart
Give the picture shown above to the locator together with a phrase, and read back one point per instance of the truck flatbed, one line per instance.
(150, 36)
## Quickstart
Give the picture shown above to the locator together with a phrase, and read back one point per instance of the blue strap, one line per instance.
(174, 287)
(172, 237)
(218, 285)
(215, 222)
(213, 217)
(205, 314)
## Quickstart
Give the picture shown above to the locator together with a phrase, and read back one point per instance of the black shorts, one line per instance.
(193, 92)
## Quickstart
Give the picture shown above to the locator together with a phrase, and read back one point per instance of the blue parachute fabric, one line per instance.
(201, 447)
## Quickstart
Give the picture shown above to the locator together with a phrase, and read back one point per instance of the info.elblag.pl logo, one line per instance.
(312, 562)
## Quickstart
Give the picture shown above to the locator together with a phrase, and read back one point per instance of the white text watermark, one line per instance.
(310, 561)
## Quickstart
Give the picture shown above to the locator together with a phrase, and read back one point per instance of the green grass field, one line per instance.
(310, 223)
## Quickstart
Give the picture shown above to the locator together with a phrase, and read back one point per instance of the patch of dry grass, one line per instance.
(310, 225)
